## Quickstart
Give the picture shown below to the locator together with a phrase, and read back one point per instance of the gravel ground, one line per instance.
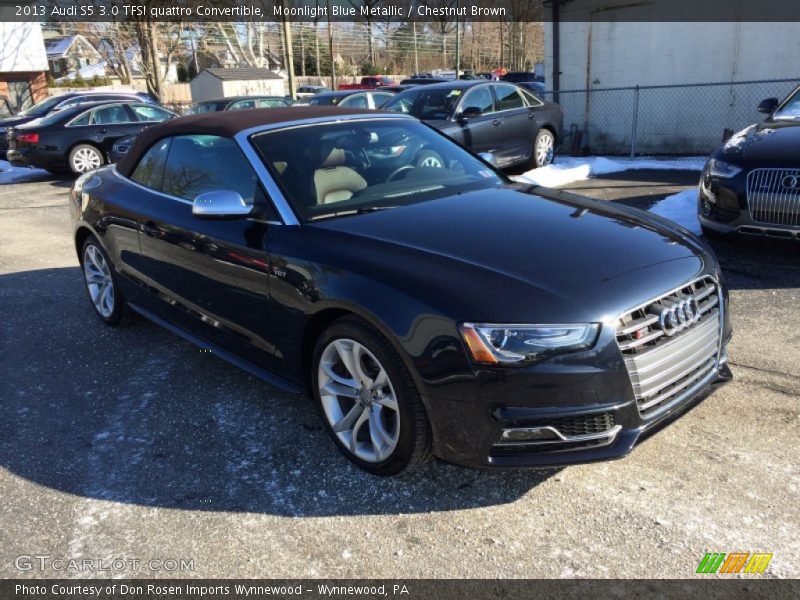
(133, 444)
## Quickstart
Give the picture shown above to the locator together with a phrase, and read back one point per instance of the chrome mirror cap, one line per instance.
(220, 204)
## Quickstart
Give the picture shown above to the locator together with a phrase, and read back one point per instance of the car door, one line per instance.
(110, 122)
(517, 128)
(479, 132)
(210, 275)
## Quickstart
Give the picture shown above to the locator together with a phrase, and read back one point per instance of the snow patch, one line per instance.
(568, 169)
(9, 174)
(681, 208)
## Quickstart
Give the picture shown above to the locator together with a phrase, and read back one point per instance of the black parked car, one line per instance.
(488, 116)
(425, 309)
(62, 101)
(430, 80)
(239, 103)
(752, 183)
(79, 138)
(351, 98)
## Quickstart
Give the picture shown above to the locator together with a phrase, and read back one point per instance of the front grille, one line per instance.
(670, 344)
(773, 196)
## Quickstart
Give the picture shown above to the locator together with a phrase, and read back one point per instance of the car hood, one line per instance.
(769, 143)
(510, 256)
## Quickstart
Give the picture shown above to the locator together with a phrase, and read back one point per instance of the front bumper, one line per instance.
(722, 207)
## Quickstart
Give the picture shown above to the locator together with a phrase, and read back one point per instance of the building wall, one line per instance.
(627, 46)
(206, 87)
(21, 48)
(266, 87)
(37, 86)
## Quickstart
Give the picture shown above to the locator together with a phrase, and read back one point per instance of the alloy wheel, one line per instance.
(98, 281)
(86, 159)
(358, 400)
(544, 150)
(431, 161)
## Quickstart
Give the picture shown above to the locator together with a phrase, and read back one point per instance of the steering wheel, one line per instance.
(397, 172)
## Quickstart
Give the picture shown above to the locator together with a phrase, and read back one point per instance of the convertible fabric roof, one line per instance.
(227, 124)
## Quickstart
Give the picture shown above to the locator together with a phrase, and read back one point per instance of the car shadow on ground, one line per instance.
(138, 416)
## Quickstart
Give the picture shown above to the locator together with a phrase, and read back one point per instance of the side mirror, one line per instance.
(469, 113)
(221, 204)
(768, 106)
(488, 157)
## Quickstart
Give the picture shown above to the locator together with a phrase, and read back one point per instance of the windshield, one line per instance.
(426, 103)
(345, 168)
(42, 108)
(790, 109)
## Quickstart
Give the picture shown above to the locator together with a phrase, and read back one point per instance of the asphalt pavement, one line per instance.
(132, 444)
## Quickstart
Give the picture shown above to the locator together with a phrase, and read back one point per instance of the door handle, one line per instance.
(496, 122)
(150, 229)
(531, 115)
(102, 131)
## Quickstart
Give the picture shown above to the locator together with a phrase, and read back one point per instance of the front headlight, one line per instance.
(719, 168)
(508, 344)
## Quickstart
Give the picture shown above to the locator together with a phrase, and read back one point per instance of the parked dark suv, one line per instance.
(752, 183)
(54, 103)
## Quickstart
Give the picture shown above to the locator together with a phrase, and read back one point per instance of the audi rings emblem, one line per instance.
(791, 182)
(677, 315)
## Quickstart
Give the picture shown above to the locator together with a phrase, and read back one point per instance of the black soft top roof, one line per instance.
(227, 124)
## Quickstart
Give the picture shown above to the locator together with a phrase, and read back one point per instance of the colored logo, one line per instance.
(734, 562)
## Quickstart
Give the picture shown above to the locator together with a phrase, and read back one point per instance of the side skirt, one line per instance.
(262, 374)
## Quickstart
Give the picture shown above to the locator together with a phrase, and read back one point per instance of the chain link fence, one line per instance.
(665, 119)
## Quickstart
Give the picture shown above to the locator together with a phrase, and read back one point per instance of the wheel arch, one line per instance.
(82, 233)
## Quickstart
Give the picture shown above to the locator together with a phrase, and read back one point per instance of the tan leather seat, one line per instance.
(333, 181)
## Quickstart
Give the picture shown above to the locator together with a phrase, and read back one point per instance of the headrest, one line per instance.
(334, 158)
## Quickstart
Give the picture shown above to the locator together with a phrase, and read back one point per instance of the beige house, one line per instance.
(211, 84)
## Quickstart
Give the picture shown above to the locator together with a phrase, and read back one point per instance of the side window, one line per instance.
(480, 98)
(508, 97)
(148, 112)
(82, 120)
(532, 99)
(150, 170)
(206, 163)
(270, 103)
(242, 105)
(110, 115)
(355, 101)
(380, 97)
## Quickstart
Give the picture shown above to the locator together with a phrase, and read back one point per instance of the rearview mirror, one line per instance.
(489, 157)
(220, 204)
(470, 113)
(768, 106)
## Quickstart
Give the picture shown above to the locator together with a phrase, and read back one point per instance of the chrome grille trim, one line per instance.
(665, 367)
(769, 200)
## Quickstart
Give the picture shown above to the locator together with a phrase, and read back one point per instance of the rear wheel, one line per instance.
(84, 158)
(543, 151)
(101, 285)
(368, 400)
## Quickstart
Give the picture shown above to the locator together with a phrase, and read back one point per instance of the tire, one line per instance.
(547, 142)
(84, 158)
(712, 234)
(98, 274)
(394, 416)
(429, 158)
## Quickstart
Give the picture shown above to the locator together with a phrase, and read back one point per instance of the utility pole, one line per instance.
(416, 54)
(330, 48)
(458, 42)
(287, 44)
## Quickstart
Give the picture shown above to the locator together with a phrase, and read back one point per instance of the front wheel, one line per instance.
(84, 158)
(368, 400)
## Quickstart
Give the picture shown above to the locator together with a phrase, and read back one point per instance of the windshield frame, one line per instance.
(794, 95)
(282, 204)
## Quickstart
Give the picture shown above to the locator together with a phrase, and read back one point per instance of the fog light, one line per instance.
(706, 209)
(529, 434)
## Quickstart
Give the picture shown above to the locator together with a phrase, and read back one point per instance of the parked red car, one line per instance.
(367, 83)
